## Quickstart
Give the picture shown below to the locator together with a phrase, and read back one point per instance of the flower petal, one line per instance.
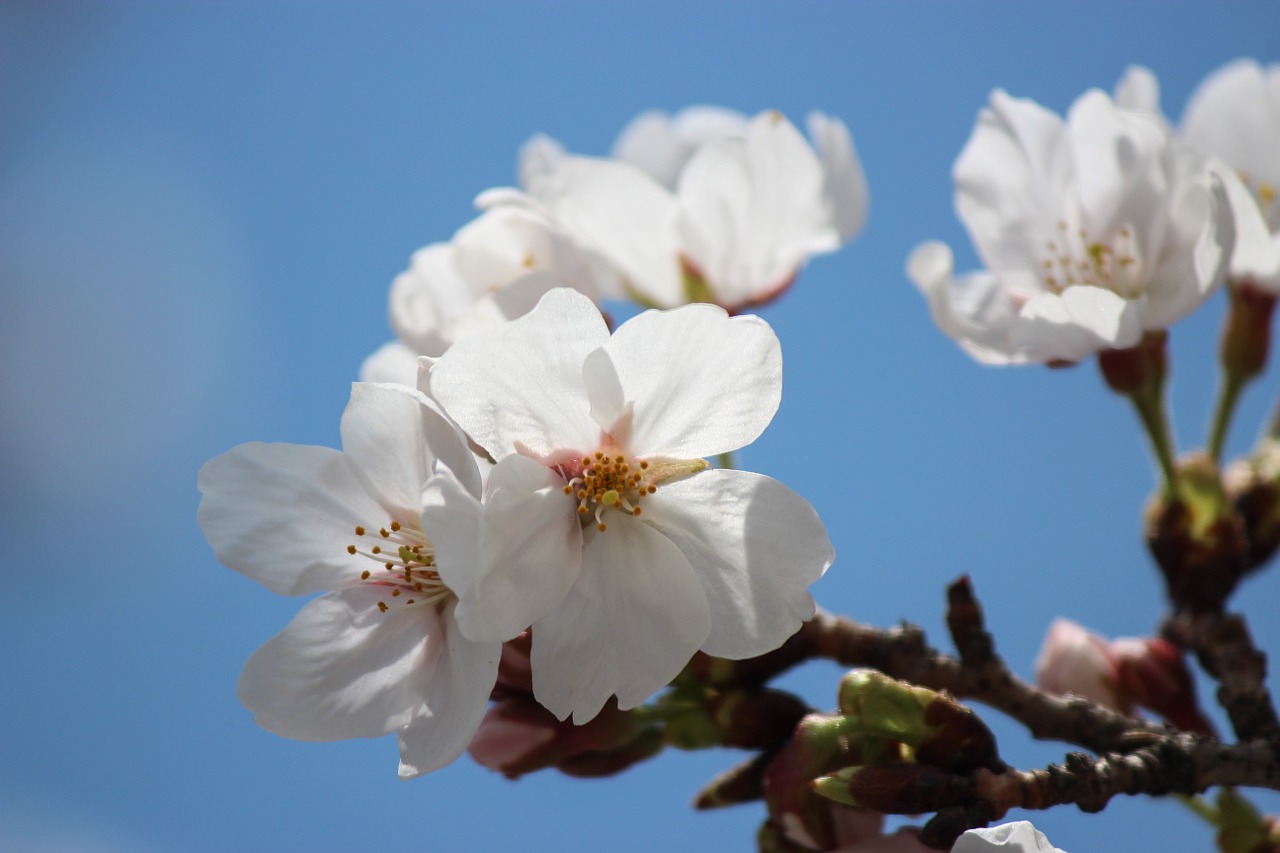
(756, 547)
(531, 551)
(284, 514)
(522, 382)
(426, 298)
(458, 695)
(451, 519)
(391, 362)
(342, 669)
(846, 184)
(1235, 114)
(701, 382)
(604, 389)
(383, 436)
(628, 626)
(1076, 324)
(1201, 235)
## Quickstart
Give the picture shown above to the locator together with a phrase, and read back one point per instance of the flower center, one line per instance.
(611, 480)
(405, 570)
(1073, 258)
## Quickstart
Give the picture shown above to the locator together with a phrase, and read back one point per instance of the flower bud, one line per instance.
(957, 739)
(740, 784)
(897, 788)
(756, 719)
(821, 744)
(1196, 537)
(1253, 486)
(883, 706)
(1153, 672)
(1074, 660)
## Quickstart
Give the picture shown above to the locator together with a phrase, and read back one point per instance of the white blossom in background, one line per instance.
(494, 269)
(1094, 230)
(602, 526)
(1234, 114)
(1016, 837)
(380, 651)
(708, 205)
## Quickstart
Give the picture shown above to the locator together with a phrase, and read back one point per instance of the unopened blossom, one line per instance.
(380, 651)
(708, 205)
(494, 269)
(602, 525)
(1020, 836)
(1094, 231)
(1076, 660)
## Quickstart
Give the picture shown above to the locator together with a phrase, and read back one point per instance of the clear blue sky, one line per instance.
(202, 207)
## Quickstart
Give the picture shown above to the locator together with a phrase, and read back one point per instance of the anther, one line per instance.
(395, 525)
(568, 490)
(364, 576)
(377, 549)
(351, 549)
(382, 606)
(359, 531)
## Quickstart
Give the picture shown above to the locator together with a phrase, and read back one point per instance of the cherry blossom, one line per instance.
(708, 205)
(380, 651)
(602, 525)
(1094, 230)
(1020, 836)
(494, 269)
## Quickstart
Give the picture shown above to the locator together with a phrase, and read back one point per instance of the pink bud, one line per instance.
(1074, 660)
(1154, 673)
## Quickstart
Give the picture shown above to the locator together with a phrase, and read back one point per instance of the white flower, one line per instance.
(717, 207)
(381, 651)
(1093, 231)
(602, 526)
(1235, 114)
(1016, 837)
(496, 268)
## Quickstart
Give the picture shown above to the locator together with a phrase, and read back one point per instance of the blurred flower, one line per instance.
(381, 652)
(707, 206)
(1094, 231)
(495, 269)
(602, 525)
(1016, 837)
(1074, 660)
(1234, 116)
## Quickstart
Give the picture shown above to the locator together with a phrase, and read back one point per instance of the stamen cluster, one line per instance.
(406, 559)
(609, 481)
(1091, 262)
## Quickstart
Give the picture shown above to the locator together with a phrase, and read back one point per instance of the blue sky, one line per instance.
(203, 205)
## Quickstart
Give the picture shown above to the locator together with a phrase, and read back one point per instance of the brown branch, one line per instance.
(1224, 647)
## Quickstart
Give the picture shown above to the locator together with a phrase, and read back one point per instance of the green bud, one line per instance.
(885, 707)
(898, 788)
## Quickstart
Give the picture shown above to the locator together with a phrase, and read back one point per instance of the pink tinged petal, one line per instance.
(284, 514)
(521, 383)
(457, 696)
(974, 310)
(604, 389)
(391, 362)
(756, 547)
(1076, 324)
(1201, 238)
(701, 382)
(1235, 114)
(622, 214)
(846, 185)
(531, 551)
(343, 669)
(628, 626)
(1011, 187)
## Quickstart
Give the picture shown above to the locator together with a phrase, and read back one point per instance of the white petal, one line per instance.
(451, 519)
(1016, 837)
(457, 695)
(975, 309)
(531, 551)
(522, 382)
(342, 669)
(701, 382)
(628, 626)
(845, 182)
(1256, 256)
(539, 157)
(391, 362)
(1011, 182)
(755, 545)
(382, 435)
(1076, 324)
(426, 298)
(650, 142)
(1235, 114)
(624, 215)
(1200, 237)
(604, 389)
(284, 514)
(1139, 90)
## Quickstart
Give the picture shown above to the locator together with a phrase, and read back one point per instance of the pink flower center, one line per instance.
(405, 570)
